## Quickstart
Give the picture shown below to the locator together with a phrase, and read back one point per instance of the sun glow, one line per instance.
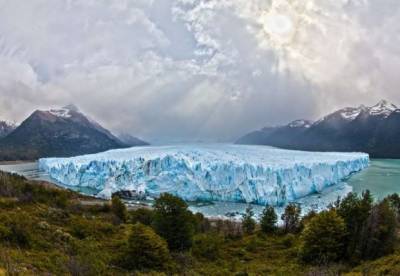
(282, 21)
(279, 26)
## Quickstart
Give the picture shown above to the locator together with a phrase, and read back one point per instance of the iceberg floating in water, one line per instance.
(236, 173)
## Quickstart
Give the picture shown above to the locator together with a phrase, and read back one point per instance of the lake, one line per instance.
(381, 178)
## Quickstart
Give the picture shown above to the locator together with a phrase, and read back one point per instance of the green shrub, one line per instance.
(207, 246)
(145, 250)
(202, 224)
(119, 209)
(174, 222)
(8, 203)
(288, 240)
(323, 238)
(16, 229)
(141, 215)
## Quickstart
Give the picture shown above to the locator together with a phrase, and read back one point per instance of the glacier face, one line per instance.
(218, 172)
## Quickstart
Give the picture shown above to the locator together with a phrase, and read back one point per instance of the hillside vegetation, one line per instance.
(44, 230)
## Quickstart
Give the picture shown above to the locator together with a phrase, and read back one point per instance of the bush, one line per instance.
(142, 215)
(291, 218)
(248, 223)
(16, 229)
(323, 238)
(288, 240)
(268, 220)
(229, 229)
(145, 250)
(173, 222)
(202, 224)
(119, 209)
(207, 246)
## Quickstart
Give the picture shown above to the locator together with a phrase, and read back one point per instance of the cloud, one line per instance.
(172, 70)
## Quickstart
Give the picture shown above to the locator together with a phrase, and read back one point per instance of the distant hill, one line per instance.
(374, 130)
(57, 132)
(131, 140)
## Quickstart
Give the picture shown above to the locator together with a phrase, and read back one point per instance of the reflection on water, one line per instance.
(381, 178)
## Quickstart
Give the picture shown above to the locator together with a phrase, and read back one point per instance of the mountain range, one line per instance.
(57, 132)
(374, 130)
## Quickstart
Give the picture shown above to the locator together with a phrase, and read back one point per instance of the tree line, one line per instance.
(351, 230)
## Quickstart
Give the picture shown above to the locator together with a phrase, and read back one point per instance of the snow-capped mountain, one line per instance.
(374, 129)
(57, 132)
(382, 109)
(6, 128)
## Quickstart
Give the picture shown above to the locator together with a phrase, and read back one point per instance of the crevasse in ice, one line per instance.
(218, 172)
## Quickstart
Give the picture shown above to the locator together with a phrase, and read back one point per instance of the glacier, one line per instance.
(208, 172)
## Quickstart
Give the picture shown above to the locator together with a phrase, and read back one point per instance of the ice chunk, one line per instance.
(218, 172)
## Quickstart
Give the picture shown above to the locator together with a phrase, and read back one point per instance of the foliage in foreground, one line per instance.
(45, 230)
(145, 249)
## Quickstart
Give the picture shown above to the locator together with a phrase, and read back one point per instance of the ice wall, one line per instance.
(253, 174)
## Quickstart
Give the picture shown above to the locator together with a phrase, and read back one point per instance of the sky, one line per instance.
(197, 70)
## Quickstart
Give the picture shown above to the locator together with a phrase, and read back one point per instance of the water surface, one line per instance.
(381, 178)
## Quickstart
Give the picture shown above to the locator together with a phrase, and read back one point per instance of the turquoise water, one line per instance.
(381, 178)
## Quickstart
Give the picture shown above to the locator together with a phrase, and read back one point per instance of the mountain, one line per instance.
(57, 132)
(131, 140)
(6, 128)
(375, 130)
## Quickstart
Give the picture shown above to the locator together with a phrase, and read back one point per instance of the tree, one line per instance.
(378, 237)
(394, 200)
(355, 212)
(145, 250)
(291, 218)
(248, 223)
(268, 220)
(174, 222)
(119, 209)
(323, 238)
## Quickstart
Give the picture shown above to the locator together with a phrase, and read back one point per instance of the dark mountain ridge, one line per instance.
(374, 130)
(57, 132)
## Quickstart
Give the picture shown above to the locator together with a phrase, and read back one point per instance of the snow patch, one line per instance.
(383, 108)
(351, 113)
(62, 113)
(300, 123)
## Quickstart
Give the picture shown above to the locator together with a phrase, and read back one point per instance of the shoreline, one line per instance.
(17, 162)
